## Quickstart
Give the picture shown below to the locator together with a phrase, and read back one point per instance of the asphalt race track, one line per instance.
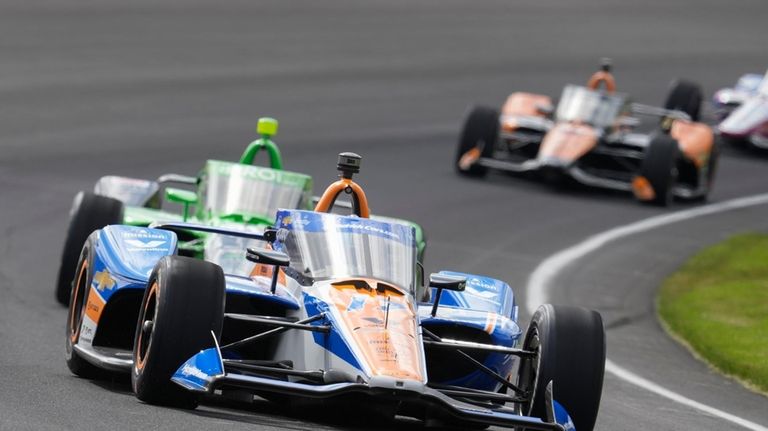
(146, 87)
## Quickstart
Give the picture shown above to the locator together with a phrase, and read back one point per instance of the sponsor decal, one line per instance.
(369, 228)
(143, 234)
(103, 280)
(192, 371)
(145, 240)
(94, 308)
(479, 282)
(258, 173)
(86, 333)
(139, 244)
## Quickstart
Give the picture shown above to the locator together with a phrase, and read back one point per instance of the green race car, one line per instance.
(224, 194)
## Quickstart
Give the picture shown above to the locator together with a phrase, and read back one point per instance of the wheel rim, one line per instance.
(77, 306)
(529, 374)
(146, 324)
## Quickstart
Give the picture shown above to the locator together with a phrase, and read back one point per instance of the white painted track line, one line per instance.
(540, 282)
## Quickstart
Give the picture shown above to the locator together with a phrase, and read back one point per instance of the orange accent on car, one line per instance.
(568, 142)
(695, 140)
(469, 158)
(94, 306)
(139, 359)
(490, 322)
(343, 185)
(261, 270)
(387, 340)
(602, 77)
(508, 123)
(525, 104)
(642, 188)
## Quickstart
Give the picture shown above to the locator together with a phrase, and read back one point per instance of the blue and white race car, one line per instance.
(334, 309)
(743, 112)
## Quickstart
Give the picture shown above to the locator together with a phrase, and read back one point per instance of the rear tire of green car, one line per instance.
(89, 212)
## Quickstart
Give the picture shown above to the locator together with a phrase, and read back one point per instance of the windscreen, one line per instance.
(243, 191)
(329, 246)
(229, 251)
(583, 105)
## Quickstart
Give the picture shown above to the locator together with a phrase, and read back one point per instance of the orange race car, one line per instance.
(590, 137)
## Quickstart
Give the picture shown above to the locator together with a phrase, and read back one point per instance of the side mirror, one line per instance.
(180, 196)
(442, 282)
(448, 282)
(275, 258)
(268, 257)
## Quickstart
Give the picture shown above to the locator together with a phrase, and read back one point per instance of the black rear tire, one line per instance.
(81, 288)
(659, 167)
(89, 212)
(685, 96)
(570, 342)
(184, 301)
(714, 158)
(481, 130)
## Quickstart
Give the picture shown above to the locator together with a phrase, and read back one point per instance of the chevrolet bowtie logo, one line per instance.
(103, 280)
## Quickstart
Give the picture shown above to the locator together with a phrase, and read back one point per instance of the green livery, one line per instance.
(234, 195)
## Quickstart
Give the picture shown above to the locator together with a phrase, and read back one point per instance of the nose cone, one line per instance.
(566, 143)
(745, 120)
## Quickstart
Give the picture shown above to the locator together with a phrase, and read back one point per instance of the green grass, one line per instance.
(717, 303)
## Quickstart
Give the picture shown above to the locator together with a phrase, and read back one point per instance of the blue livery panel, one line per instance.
(481, 293)
(132, 252)
(199, 371)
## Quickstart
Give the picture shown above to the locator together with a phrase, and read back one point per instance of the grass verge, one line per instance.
(717, 304)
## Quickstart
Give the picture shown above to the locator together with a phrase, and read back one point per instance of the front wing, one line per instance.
(207, 372)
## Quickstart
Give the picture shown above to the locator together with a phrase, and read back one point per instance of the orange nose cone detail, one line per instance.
(568, 142)
(642, 189)
(386, 338)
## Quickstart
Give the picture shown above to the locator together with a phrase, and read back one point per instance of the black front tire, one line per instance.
(184, 302)
(570, 346)
(685, 96)
(659, 167)
(481, 131)
(81, 288)
(89, 212)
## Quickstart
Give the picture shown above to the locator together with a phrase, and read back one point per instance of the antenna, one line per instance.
(348, 164)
